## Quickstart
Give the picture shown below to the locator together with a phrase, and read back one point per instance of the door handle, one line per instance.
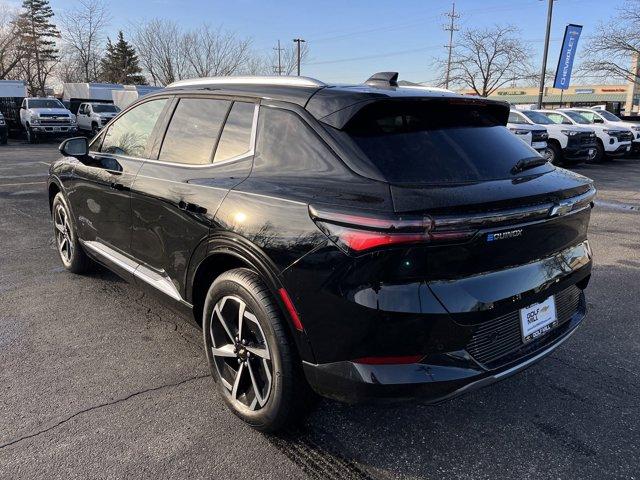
(191, 207)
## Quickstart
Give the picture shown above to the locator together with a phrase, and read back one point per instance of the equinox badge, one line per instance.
(504, 235)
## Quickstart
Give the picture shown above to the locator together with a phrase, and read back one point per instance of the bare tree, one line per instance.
(10, 51)
(83, 32)
(612, 50)
(160, 46)
(289, 58)
(68, 68)
(214, 52)
(487, 59)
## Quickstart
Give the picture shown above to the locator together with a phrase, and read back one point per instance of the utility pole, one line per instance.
(450, 28)
(278, 69)
(546, 52)
(299, 41)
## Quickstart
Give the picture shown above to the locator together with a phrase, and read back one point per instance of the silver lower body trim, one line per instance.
(160, 282)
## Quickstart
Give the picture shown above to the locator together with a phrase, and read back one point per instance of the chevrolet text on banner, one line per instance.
(567, 54)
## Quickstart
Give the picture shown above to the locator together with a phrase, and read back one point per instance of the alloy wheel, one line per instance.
(63, 234)
(241, 353)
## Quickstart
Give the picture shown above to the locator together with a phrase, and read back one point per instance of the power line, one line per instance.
(453, 16)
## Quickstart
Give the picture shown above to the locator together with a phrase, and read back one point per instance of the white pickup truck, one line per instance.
(534, 136)
(566, 143)
(42, 117)
(92, 116)
(608, 119)
(610, 142)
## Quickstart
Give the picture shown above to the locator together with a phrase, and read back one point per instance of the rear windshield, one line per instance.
(437, 142)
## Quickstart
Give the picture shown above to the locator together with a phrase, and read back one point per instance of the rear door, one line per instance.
(100, 190)
(207, 149)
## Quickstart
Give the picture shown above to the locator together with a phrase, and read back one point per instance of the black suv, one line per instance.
(363, 242)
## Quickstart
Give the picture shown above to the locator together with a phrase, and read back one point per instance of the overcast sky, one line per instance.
(350, 39)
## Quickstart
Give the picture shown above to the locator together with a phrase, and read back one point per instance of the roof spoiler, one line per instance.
(383, 79)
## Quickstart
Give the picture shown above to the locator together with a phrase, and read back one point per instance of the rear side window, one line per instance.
(129, 134)
(436, 142)
(194, 130)
(286, 144)
(236, 135)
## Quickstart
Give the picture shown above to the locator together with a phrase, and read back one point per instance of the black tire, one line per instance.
(73, 256)
(31, 136)
(4, 140)
(600, 153)
(94, 129)
(555, 154)
(288, 396)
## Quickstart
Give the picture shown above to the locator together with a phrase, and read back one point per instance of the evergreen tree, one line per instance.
(37, 35)
(120, 63)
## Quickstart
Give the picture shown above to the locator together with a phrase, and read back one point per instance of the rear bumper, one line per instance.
(435, 379)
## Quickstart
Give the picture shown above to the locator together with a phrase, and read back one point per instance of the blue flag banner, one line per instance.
(567, 55)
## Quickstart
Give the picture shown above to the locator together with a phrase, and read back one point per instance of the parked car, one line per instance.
(43, 117)
(4, 132)
(93, 116)
(608, 119)
(610, 142)
(534, 136)
(362, 242)
(567, 144)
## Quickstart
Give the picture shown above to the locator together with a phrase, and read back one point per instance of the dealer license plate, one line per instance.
(538, 319)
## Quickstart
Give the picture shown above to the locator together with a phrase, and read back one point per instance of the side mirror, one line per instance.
(597, 120)
(74, 147)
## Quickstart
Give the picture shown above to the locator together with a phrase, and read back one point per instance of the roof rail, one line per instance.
(289, 81)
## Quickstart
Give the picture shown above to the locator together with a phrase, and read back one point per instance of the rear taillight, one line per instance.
(361, 232)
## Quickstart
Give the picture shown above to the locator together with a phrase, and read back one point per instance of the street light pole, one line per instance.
(299, 41)
(546, 52)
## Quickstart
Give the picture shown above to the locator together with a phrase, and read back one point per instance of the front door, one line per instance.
(100, 193)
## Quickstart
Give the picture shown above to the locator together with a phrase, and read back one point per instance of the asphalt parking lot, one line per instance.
(99, 381)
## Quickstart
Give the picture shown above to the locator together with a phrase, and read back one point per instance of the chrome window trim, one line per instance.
(249, 153)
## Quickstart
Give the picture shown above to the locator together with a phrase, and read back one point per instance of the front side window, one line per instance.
(129, 135)
(236, 135)
(193, 131)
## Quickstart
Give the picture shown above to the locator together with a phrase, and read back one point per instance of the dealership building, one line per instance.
(623, 98)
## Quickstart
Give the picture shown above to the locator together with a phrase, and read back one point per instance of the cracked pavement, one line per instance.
(98, 380)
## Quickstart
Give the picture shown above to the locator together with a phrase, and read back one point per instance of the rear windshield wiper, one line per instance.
(527, 163)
